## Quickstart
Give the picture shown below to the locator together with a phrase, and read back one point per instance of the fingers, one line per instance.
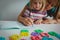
(38, 22)
(30, 20)
(27, 21)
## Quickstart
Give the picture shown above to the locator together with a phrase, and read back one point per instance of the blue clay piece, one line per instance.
(45, 38)
(2, 38)
(58, 36)
(50, 39)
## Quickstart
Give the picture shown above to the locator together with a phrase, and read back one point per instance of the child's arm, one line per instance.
(25, 21)
(20, 16)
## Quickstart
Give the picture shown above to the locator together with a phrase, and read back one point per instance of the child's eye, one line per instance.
(39, 2)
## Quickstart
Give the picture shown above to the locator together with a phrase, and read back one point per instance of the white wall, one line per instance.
(10, 9)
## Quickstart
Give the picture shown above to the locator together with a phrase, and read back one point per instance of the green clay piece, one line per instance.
(38, 31)
(52, 33)
(8, 28)
(24, 31)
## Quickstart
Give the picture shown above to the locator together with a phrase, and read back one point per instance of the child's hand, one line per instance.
(38, 22)
(27, 21)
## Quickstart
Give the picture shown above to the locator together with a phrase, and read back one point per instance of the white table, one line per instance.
(14, 24)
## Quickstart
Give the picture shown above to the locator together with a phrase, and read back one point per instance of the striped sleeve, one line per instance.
(26, 13)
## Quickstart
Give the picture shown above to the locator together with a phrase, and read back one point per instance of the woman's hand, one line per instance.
(49, 21)
(45, 22)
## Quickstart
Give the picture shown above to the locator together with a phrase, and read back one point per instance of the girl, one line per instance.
(34, 13)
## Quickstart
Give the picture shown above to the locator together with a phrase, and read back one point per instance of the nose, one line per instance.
(37, 5)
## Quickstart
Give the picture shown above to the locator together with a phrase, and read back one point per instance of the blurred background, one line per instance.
(10, 9)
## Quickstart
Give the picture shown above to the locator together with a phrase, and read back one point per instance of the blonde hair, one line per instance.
(43, 4)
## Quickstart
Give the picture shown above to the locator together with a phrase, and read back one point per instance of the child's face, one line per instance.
(37, 4)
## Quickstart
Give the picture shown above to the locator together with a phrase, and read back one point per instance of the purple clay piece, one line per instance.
(34, 34)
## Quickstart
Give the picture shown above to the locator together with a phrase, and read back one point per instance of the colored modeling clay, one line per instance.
(50, 39)
(24, 34)
(52, 33)
(34, 34)
(58, 36)
(44, 34)
(24, 31)
(2, 38)
(35, 38)
(46, 38)
(38, 31)
(14, 37)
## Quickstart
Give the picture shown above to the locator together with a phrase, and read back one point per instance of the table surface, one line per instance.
(6, 32)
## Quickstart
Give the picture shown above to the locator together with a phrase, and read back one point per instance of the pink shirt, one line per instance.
(35, 15)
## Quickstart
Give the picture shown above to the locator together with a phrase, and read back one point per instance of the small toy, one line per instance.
(34, 34)
(32, 37)
(38, 31)
(35, 38)
(52, 33)
(44, 34)
(2, 38)
(50, 39)
(46, 38)
(58, 36)
(24, 33)
(14, 37)
(40, 36)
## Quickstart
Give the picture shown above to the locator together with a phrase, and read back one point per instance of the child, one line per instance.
(34, 13)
